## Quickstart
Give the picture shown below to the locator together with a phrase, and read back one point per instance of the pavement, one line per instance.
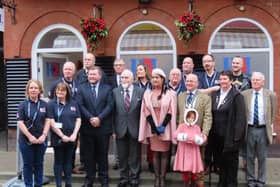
(8, 170)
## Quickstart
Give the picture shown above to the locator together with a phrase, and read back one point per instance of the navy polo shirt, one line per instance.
(35, 123)
(69, 113)
(206, 82)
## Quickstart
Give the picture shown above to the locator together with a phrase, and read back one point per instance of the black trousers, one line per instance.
(226, 161)
(96, 156)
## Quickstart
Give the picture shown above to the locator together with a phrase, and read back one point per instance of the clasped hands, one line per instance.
(40, 140)
(95, 121)
(71, 138)
(161, 129)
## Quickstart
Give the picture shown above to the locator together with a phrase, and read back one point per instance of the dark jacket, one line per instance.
(229, 120)
(102, 108)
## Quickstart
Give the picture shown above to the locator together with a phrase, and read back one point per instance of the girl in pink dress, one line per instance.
(188, 157)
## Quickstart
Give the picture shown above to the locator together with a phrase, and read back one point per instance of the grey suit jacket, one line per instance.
(203, 107)
(270, 104)
(127, 120)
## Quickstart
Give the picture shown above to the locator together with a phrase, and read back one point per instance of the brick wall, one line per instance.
(33, 16)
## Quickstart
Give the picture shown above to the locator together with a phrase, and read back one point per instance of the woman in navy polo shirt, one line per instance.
(65, 123)
(34, 126)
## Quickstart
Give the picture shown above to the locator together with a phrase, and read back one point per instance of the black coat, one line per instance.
(229, 120)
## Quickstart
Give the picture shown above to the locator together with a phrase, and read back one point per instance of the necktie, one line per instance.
(256, 110)
(189, 100)
(93, 91)
(127, 100)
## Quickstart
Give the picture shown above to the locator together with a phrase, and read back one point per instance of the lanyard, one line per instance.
(29, 111)
(59, 110)
(212, 80)
(178, 89)
(190, 105)
(72, 87)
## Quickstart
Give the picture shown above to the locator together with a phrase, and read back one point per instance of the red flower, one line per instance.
(188, 25)
(190, 30)
(93, 30)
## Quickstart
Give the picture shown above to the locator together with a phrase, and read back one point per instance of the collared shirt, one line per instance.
(96, 88)
(25, 113)
(178, 89)
(130, 89)
(223, 95)
(206, 82)
(261, 111)
(192, 104)
(118, 77)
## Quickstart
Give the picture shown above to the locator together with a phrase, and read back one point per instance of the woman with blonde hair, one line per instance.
(34, 126)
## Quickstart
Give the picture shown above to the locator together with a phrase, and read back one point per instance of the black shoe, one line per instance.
(134, 185)
(88, 183)
(151, 167)
(116, 166)
(105, 185)
(122, 184)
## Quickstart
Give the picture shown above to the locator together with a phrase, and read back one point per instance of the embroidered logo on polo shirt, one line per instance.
(43, 109)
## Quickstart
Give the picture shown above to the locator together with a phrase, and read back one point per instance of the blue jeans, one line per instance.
(63, 163)
(33, 158)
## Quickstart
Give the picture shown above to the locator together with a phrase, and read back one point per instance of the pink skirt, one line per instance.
(159, 145)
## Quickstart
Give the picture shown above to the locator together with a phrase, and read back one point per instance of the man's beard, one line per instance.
(125, 85)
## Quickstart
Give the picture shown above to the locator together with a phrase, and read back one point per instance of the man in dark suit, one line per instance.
(261, 106)
(96, 105)
(115, 81)
(119, 66)
(127, 102)
(89, 62)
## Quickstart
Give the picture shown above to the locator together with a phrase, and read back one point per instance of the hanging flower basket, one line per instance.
(93, 30)
(188, 25)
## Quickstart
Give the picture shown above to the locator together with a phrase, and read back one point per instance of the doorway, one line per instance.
(52, 47)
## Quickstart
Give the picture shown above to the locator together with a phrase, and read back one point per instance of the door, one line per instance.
(50, 69)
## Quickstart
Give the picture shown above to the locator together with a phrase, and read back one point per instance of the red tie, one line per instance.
(127, 100)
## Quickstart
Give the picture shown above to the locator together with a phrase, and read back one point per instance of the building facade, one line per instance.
(41, 35)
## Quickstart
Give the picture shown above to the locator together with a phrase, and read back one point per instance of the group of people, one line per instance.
(206, 114)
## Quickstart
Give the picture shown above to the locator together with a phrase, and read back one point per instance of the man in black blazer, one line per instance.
(95, 101)
(89, 62)
(119, 66)
(127, 107)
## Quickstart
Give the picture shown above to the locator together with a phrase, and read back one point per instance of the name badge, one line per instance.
(58, 125)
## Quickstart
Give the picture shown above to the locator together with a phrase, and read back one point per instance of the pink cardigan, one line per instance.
(168, 105)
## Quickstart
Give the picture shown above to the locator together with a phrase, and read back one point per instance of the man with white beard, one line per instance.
(127, 106)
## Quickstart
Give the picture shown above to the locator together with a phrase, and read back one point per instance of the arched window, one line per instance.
(247, 38)
(147, 42)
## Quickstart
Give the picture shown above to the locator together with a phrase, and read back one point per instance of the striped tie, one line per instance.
(189, 101)
(256, 110)
(127, 100)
